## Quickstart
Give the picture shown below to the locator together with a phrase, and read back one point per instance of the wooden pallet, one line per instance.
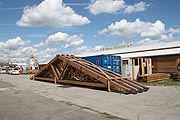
(154, 77)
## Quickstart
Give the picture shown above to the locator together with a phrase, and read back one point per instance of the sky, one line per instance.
(46, 28)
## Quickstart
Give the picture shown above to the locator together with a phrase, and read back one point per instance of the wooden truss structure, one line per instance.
(74, 70)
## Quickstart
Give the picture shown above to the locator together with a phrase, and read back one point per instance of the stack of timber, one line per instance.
(77, 71)
(153, 77)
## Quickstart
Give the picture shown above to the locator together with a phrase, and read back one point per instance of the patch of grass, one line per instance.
(168, 82)
(111, 116)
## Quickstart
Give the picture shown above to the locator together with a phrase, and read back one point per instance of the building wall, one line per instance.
(165, 64)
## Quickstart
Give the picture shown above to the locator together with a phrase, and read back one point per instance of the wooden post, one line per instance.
(133, 67)
(139, 66)
(147, 65)
(150, 66)
(142, 66)
(55, 82)
(109, 86)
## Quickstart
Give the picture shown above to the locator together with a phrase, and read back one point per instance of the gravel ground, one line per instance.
(55, 101)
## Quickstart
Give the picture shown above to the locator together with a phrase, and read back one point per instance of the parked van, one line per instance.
(15, 71)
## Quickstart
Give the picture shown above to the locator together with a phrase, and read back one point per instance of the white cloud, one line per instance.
(174, 31)
(62, 39)
(115, 6)
(106, 6)
(13, 44)
(18, 55)
(58, 37)
(51, 13)
(28, 50)
(124, 29)
(147, 41)
(43, 57)
(138, 28)
(39, 45)
(154, 29)
(38, 36)
(137, 7)
(85, 49)
(82, 48)
(23, 55)
(97, 48)
(74, 40)
(16, 49)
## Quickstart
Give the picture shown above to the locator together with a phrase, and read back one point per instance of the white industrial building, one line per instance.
(154, 58)
(140, 51)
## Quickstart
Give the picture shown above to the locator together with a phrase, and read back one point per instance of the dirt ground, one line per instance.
(159, 103)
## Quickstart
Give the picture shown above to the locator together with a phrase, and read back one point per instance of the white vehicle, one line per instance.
(3, 70)
(15, 71)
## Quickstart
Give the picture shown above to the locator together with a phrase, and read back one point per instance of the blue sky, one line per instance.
(49, 27)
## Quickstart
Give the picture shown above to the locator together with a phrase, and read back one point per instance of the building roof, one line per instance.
(151, 53)
(7, 64)
(142, 51)
(21, 64)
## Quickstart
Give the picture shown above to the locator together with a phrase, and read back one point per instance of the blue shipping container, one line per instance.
(108, 62)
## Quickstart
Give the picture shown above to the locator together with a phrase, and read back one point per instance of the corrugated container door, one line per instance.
(108, 62)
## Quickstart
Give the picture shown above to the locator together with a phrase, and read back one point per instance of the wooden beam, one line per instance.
(44, 79)
(64, 71)
(46, 66)
(55, 74)
(82, 83)
(133, 67)
(139, 66)
(147, 65)
(142, 66)
(57, 71)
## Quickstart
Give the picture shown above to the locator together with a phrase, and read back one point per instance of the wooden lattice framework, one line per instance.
(74, 70)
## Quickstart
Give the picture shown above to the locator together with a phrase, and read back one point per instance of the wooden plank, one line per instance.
(44, 79)
(155, 80)
(167, 70)
(142, 66)
(147, 65)
(55, 74)
(133, 68)
(155, 77)
(139, 66)
(82, 83)
(58, 73)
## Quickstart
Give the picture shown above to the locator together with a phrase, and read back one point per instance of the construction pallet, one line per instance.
(154, 77)
(77, 71)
